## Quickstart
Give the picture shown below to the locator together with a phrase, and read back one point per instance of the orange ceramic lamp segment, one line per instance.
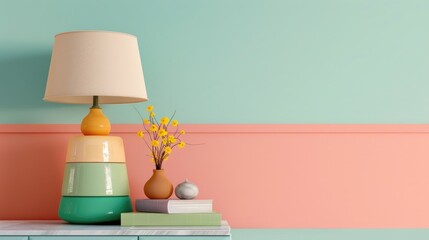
(95, 123)
(95, 149)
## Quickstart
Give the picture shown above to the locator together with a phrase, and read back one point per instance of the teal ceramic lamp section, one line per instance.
(91, 210)
(95, 179)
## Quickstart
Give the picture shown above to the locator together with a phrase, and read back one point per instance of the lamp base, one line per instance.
(95, 123)
(95, 182)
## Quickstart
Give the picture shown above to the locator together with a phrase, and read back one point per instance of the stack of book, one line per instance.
(172, 212)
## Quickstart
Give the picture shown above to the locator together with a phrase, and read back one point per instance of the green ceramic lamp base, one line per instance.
(93, 210)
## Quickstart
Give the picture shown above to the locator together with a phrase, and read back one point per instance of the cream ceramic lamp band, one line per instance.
(95, 149)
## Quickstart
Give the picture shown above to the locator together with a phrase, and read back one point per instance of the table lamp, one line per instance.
(95, 67)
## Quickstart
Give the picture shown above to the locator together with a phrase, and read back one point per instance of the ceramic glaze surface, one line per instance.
(186, 190)
(95, 179)
(95, 149)
(95, 123)
(87, 210)
(158, 186)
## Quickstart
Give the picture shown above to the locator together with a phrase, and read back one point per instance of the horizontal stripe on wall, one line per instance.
(259, 176)
(232, 128)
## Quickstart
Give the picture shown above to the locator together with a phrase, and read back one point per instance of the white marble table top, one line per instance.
(30, 228)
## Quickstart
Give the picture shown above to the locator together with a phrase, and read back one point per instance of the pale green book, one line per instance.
(172, 219)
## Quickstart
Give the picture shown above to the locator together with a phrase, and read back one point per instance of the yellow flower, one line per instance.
(154, 143)
(171, 139)
(145, 121)
(182, 132)
(182, 144)
(153, 128)
(152, 114)
(149, 108)
(164, 141)
(165, 159)
(165, 120)
(167, 150)
(175, 123)
(162, 132)
(153, 160)
(140, 134)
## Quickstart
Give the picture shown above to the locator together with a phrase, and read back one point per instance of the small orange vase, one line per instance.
(158, 186)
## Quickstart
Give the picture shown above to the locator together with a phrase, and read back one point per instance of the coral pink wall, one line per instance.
(283, 176)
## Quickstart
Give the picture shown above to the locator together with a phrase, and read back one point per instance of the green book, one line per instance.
(172, 219)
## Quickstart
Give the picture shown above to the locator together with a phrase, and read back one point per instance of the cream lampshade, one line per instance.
(95, 63)
(95, 67)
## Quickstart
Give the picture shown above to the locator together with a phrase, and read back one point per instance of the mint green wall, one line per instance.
(235, 61)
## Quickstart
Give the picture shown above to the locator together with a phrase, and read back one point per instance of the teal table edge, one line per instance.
(329, 234)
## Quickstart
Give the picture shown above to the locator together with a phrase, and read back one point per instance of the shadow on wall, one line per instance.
(23, 80)
(22, 84)
(31, 171)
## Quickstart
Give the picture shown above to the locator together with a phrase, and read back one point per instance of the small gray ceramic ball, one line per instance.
(186, 190)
